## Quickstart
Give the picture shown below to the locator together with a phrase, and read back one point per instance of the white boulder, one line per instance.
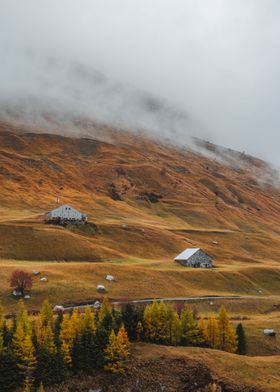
(97, 305)
(58, 308)
(269, 332)
(101, 288)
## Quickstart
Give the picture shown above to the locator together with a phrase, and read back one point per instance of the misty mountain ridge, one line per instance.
(51, 93)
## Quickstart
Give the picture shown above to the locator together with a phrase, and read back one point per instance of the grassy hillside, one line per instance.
(154, 368)
(259, 372)
(148, 200)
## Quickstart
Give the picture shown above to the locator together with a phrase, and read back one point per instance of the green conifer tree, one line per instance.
(241, 340)
(190, 330)
(57, 328)
(10, 376)
(131, 315)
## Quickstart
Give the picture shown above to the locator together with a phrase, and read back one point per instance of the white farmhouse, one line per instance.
(194, 257)
(65, 214)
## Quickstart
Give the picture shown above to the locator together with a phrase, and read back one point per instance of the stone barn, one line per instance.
(65, 214)
(194, 257)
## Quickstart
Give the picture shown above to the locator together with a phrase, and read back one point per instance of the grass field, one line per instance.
(135, 281)
(75, 283)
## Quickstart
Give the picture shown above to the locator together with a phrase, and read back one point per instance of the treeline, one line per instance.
(161, 323)
(47, 349)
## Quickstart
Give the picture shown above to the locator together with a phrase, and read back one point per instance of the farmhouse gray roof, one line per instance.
(187, 253)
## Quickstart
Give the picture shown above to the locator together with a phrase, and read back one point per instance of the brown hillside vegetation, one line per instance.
(158, 368)
(148, 200)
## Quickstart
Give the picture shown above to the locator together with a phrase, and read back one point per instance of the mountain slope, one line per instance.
(148, 199)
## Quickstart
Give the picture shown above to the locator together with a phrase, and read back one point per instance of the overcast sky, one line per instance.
(218, 61)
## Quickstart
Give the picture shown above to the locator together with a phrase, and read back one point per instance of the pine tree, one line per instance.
(10, 377)
(28, 362)
(7, 335)
(89, 321)
(123, 343)
(176, 329)
(77, 323)
(49, 368)
(213, 333)
(162, 323)
(103, 331)
(203, 331)
(47, 340)
(18, 339)
(111, 354)
(57, 328)
(22, 318)
(84, 351)
(67, 336)
(131, 315)
(151, 321)
(23, 346)
(228, 339)
(241, 339)
(190, 330)
(46, 314)
(105, 310)
(148, 323)
(116, 351)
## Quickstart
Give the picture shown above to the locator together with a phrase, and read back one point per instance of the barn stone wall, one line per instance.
(198, 259)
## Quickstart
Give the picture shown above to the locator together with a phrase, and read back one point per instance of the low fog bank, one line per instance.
(69, 98)
(170, 69)
(52, 95)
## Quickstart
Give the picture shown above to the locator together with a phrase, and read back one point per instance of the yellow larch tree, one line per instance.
(152, 323)
(202, 325)
(176, 329)
(28, 361)
(123, 343)
(213, 333)
(23, 331)
(105, 310)
(228, 338)
(89, 321)
(22, 318)
(77, 323)
(46, 314)
(67, 335)
(111, 354)
(117, 351)
(47, 339)
(161, 322)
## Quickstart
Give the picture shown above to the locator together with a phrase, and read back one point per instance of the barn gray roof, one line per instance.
(187, 253)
